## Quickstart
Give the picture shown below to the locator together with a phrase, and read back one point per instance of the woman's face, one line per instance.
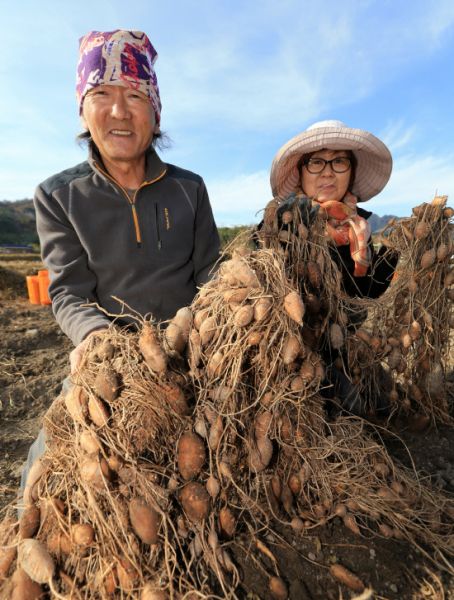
(326, 185)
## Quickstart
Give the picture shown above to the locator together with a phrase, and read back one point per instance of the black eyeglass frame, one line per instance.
(328, 162)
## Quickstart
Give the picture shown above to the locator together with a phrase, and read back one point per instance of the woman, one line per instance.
(335, 167)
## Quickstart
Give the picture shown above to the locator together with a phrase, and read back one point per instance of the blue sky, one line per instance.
(237, 80)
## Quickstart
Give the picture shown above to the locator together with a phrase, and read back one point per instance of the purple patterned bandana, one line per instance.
(118, 58)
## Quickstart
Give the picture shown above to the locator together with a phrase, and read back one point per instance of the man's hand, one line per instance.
(75, 357)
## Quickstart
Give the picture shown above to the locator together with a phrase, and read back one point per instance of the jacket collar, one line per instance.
(154, 168)
(363, 212)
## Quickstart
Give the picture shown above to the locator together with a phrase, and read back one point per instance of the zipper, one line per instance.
(132, 202)
(157, 226)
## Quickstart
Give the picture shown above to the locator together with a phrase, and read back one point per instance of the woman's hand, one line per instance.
(308, 210)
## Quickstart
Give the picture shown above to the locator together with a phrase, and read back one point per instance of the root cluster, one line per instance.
(175, 444)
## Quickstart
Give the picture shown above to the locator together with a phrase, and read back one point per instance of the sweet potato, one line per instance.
(174, 396)
(213, 486)
(244, 315)
(105, 350)
(422, 230)
(294, 483)
(107, 384)
(59, 543)
(115, 462)
(190, 455)
(34, 475)
(294, 307)
(215, 434)
(242, 272)
(262, 424)
(443, 251)
(97, 411)
(35, 560)
(307, 371)
(227, 522)
(145, 521)
(236, 294)
(302, 231)
(195, 349)
(195, 501)
(290, 349)
(52, 508)
(151, 349)
(350, 523)
(297, 384)
(24, 588)
(254, 338)
(127, 575)
(83, 534)
(278, 588)
(89, 442)
(7, 556)
(336, 336)
(346, 577)
(260, 455)
(177, 331)
(151, 592)
(95, 472)
(428, 259)
(183, 318)
(207, 330)
(314, 274)
(29, 521)
(262, 308)
(215, 364)
(406, 339)
(76, 402)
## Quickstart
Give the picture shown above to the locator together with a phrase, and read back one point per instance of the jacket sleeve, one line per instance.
(378, 277)
(206, 239)
(72, 283)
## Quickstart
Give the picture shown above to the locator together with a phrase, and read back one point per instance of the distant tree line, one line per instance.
(18, 224)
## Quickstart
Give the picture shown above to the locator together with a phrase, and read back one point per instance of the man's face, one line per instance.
(121, 122)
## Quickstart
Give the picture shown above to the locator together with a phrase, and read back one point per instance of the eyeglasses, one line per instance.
(340, 164)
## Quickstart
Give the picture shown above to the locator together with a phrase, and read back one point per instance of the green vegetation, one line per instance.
(17, 223)
(227, 234)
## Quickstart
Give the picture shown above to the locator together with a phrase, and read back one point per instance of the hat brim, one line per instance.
(374, 161)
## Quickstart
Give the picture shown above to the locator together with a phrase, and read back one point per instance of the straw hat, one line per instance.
(374, 159)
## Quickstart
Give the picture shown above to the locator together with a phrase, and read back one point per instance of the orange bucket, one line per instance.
(33, 289)
(43, 282)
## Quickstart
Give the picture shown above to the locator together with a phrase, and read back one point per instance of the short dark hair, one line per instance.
(351, 155)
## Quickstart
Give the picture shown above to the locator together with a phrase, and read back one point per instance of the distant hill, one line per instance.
(18, 223)
(377, 222)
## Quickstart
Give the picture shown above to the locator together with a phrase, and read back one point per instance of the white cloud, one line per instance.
(240, 200)
(398, 135)
(295, 63)
(415, 179)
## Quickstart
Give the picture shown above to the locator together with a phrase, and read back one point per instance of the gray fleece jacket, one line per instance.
(150, 251)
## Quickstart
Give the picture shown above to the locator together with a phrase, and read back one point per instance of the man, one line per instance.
(123, 231)
(122, 225)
